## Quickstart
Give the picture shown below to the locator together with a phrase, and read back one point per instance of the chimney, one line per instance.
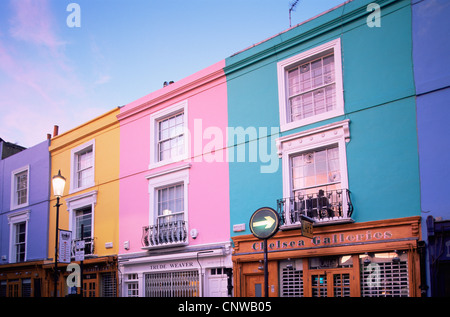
(49, 136)
(55, 130)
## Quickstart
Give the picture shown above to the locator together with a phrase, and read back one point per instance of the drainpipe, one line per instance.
(421, 248)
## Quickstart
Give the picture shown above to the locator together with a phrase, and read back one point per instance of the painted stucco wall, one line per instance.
(106, 133)
(38, 160)
(208, 200)
(382, 160)
(432, 78)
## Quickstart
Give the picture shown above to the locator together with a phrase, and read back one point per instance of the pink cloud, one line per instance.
(39, 84)
(32, 21)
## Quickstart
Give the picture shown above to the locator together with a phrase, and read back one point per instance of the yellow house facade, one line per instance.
(88, 158)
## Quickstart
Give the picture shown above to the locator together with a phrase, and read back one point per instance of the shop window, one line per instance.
(3, 288)
(172, 284)
(108, 284)
(331, 262)
(132, 285)
(384, 275)
(26, 287)
(291, 278)
(218, 271)
(341, 285)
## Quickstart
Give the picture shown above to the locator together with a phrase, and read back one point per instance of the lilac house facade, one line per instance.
(24, 204)
(432, 80)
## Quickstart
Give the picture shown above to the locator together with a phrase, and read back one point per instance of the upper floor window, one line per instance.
(310, 86)
(20, 241)
(18, 223)
(84, 167)
(168, 135)
(171, 137)
(170, 203)
(315, 181)
(317, 168)
(83, 164)
(81, 220)
(168, 225)
(83, 223)
(19, 187)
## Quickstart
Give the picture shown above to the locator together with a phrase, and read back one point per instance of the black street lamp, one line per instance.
(58, 188)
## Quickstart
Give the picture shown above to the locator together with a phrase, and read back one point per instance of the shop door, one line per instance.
(13, 288)
(254, 285)
(90, 285)
(330, 283)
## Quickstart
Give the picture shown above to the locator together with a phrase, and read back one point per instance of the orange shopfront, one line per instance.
(377, 258)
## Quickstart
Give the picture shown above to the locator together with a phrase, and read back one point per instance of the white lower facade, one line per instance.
(200, 271)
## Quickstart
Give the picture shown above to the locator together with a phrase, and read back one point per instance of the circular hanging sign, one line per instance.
(264, 223)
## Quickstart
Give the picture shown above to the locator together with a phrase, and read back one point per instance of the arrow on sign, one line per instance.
(268, 222)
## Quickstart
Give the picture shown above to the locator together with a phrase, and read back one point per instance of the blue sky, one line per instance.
(51, 74)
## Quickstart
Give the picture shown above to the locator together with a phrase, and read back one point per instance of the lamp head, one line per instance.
(58, 182)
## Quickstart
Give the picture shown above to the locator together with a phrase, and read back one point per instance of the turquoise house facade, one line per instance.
(329, 118)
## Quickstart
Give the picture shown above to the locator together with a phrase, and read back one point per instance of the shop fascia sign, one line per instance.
(172, 265)
(325, 240)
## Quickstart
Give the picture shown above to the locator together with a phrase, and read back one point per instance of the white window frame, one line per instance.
(337, 133)
(155, 118)
(14, 174)
(73, 166)
(283, 68)
(132, 279)
(80, 201)
(13, 220)
(163, 179)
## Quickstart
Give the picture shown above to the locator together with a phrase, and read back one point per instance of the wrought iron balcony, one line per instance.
(321, 206)
(88, 246)
(165, 234)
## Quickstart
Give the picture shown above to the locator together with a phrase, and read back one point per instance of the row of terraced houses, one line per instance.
(341, 119)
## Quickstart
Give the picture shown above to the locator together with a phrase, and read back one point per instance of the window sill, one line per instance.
(317, 223)
(165, 245)
(176, 159)
(286, 126)
(79, 189)
(14, 207)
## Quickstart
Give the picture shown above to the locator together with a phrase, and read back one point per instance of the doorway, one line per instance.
(254, 285)
(331, 283)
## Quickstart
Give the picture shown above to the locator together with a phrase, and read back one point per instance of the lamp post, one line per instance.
(58, 188)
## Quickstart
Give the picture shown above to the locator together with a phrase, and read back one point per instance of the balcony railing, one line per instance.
(165, 234)
(321, 206)
(88, 246)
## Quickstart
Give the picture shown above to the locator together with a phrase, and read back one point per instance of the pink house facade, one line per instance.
(174, 235)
